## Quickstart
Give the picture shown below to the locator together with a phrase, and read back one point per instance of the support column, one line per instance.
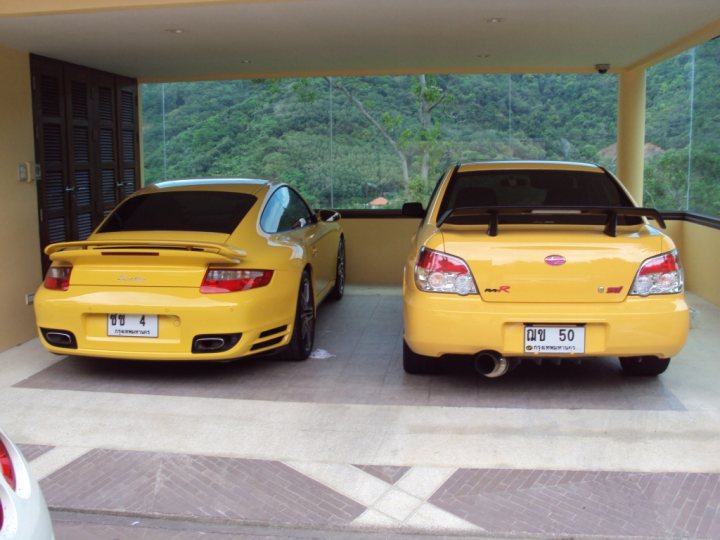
(631, 131)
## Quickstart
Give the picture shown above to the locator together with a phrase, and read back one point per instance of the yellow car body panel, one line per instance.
(159, 273)
(517, 286)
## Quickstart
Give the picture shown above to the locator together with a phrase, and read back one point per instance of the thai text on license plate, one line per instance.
(554, 339)
(123, 325)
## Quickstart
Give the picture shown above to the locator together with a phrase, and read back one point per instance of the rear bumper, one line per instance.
(263, 316)
(439, 324)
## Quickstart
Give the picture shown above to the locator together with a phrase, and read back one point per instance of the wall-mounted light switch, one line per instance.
(23, 172)
(26, 172)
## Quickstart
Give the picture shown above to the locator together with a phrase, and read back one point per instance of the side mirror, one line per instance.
(329, 216)
(413, 209)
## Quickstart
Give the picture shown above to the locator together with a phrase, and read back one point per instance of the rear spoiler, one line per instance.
(494, 213)
(125, 247)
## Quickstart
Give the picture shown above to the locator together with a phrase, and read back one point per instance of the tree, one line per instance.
(406, 142)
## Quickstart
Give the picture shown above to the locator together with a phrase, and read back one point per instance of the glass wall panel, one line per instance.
(682, 169)
(373, 142)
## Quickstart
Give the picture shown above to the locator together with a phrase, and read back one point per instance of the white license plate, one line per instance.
(122, 325)
(555, 339)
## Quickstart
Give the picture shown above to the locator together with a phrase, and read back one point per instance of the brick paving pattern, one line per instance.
(612, 504)
(34, 451)
(156, 484)
(364, 335)
(83, 531)
(243, 491)
(385, 473)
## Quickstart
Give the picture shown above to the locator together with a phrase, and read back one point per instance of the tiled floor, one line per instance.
(362, 338)
(346, 445)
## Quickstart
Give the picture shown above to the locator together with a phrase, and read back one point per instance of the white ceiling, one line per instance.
(258, 38)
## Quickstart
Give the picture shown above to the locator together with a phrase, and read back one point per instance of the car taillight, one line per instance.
(58, 278)
(659, 275)
(8, 471)
(436, 271)
(223, 280)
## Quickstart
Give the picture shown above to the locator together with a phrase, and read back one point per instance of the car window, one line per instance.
(534, 188)
(284, 211)
(205, 211)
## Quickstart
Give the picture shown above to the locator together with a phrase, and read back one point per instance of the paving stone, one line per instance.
(388, 474)
(580, 502)
(33, 451)
(147, 483)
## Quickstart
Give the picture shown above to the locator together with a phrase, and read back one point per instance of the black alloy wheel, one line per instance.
(303, 336)
(339, 289)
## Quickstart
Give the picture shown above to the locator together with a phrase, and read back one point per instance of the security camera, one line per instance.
(602, 69)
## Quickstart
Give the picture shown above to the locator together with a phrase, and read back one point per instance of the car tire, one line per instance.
(644, 366)
(303, 335)
(339, 288)
(417, 364)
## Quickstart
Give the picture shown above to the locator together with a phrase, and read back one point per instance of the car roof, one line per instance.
(236, 185)
(529, 165)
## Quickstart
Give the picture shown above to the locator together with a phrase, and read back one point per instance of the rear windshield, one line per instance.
(533, 188)
(204, 211)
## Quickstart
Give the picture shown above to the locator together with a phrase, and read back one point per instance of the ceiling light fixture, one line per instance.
(494, 20)
(175, 30)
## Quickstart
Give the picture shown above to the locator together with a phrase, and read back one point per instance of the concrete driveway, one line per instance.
(346, 445)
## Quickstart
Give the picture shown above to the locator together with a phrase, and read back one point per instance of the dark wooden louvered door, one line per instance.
(78, 96)
(86, 135)
(51, 151)
(127, 99)
(108, 168)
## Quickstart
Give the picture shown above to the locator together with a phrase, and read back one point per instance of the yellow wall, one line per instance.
(701, 259)
(675, 230)
(376, 249)
(20, 270)
(699, 248)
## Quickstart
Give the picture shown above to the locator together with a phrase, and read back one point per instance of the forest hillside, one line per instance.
(346, 142)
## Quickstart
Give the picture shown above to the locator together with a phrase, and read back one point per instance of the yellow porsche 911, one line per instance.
(542, 260)
(195, 270)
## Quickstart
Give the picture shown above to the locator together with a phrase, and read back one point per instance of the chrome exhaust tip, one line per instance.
(491, 364)
(209, 344)
(214, 343)
(59, 338)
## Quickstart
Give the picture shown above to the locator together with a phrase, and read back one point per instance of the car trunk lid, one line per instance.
(147, 260)
(552, 263)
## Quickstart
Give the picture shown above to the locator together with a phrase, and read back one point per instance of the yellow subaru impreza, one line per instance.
(195, 270)
(541, 260)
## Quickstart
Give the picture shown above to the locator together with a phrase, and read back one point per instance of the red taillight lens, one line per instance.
(659, 275)
(436, 271)
(58, 278)
(8, 471)
(223, 280)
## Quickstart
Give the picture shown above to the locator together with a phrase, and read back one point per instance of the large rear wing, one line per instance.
(493, 213)
(74, 250)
